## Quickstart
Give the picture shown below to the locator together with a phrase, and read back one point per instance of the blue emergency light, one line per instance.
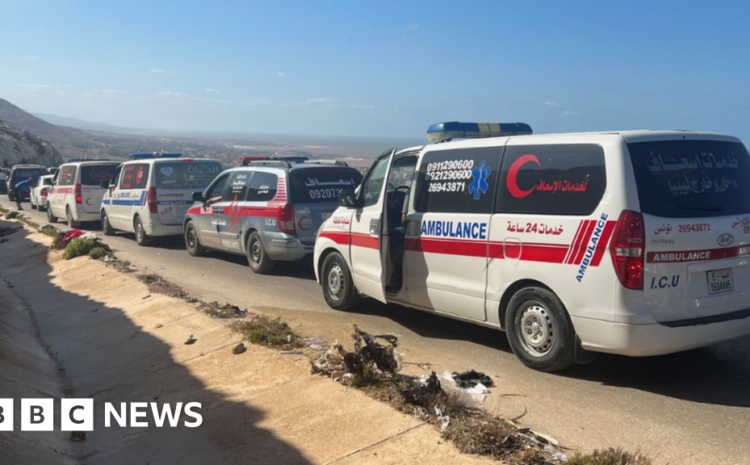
(456, 130)
(142, 156)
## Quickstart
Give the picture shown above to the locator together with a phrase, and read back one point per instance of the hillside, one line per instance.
(17, 146)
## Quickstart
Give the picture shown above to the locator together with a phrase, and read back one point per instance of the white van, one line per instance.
(76, 192)
(632, 243)
(150, 194)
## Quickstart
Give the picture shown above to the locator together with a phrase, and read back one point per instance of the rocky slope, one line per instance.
(17, 146)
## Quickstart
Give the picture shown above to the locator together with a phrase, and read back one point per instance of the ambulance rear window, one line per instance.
(93, 175)
(692, 178)
(322, 185)
(196, 174)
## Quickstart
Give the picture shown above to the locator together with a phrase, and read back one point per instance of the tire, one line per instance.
(107, 228)
(141, 237)
(193, 242)
(549, 346)
(50, 217)
(69, 218)
(257, 257)
(338, 285)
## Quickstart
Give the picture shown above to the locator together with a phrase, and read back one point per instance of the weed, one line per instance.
(51, 232)
(610, 456)
(483, 435)
(214, 310)
(269, 332)
(97, 252)
(78, 247)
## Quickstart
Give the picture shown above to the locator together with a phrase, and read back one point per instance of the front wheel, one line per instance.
(141, 237)
(257, 257)
(107, 228)
(192, 242)
(539, 330)
(51, 218)
(337, 282)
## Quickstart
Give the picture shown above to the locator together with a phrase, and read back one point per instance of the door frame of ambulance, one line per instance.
(229, 221)
(369, 239)
(208, 222)
(114, 185)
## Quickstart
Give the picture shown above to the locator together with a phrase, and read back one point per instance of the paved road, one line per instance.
(689, 408)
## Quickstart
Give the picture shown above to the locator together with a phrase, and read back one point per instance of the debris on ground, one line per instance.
(315, 343)
(214, 310)
(12, 215)
(610, 456)
(190, 340)
(239, 349)
(71, 234)
(158, 285)
(330, 362)
(77, 436)
(47, 229)
(266, 331)
(469, 379)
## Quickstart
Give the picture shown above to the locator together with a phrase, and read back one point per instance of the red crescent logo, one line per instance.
(299, 223)
(512, 183)
(88, 201)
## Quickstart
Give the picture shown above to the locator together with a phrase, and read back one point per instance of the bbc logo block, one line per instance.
(6, 414)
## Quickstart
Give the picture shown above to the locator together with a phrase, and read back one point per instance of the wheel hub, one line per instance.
(256, 251)
(537, 329)
(335, 281)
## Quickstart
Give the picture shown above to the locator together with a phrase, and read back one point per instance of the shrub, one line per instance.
(609, 456)
(78, 247)
(97, 252)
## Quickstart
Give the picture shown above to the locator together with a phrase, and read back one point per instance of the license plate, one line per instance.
(720, 281)
(326, 216)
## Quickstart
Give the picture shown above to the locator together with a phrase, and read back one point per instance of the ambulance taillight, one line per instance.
(628, 249)
(151, 200)
(79, 198)
(286, 219)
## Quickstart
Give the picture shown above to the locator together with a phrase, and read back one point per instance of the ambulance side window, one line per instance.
(238, 187)
(552, 179)
(457, 181)
(217, 188)
(67, 176)
(373, 185)
(262, 187)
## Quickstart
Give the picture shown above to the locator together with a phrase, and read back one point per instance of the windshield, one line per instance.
(25, 173)
(322, 185)
(93, 175)
(692, 178)
(187, 174)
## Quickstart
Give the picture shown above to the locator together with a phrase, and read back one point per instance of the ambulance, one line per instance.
(150, 194)
(76, 191)
(626, 242)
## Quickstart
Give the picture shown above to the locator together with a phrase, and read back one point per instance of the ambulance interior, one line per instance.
(396, 201)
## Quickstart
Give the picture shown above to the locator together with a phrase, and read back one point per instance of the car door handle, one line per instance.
(375, 226)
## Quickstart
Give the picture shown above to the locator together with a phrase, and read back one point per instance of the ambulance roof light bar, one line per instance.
(456, 130)
(142, 156)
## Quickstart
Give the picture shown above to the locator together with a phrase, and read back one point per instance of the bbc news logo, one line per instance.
(78, 414)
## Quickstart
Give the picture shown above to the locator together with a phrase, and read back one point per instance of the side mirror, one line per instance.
(347, 198)
(104, 184)
(198, 197)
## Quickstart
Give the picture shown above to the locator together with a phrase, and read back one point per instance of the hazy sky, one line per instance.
(380, 68)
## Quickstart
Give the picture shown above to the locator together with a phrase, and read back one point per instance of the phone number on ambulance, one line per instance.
(447, 187)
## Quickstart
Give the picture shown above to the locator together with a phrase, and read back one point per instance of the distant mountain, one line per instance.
(80, 123)
(17, 146)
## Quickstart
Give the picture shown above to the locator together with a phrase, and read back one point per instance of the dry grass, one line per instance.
(159, 285)
(269, 332)
(610, 456)
(215, 310)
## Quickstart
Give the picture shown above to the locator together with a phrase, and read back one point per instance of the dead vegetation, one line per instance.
(271, 332)
(158, 285)
(215, 310)
(610, 456)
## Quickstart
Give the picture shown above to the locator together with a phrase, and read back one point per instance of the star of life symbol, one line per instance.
(479, 186)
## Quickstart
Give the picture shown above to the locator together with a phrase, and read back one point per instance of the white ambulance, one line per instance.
(76, 191)
(150, 194)
(634, 243)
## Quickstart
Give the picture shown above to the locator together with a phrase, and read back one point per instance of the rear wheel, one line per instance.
(141, 237)
(107, 228)
(192, 241)
(50, 217)
(257, 257)
(69, 216)
(539, 330)
(337, 282)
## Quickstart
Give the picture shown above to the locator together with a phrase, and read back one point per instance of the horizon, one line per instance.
(332, 71)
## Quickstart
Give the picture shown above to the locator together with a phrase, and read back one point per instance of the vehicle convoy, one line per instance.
(40, 192)
(150, 194)
(21, 173)
(76, 193)
(633, 242)
(268, 210)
